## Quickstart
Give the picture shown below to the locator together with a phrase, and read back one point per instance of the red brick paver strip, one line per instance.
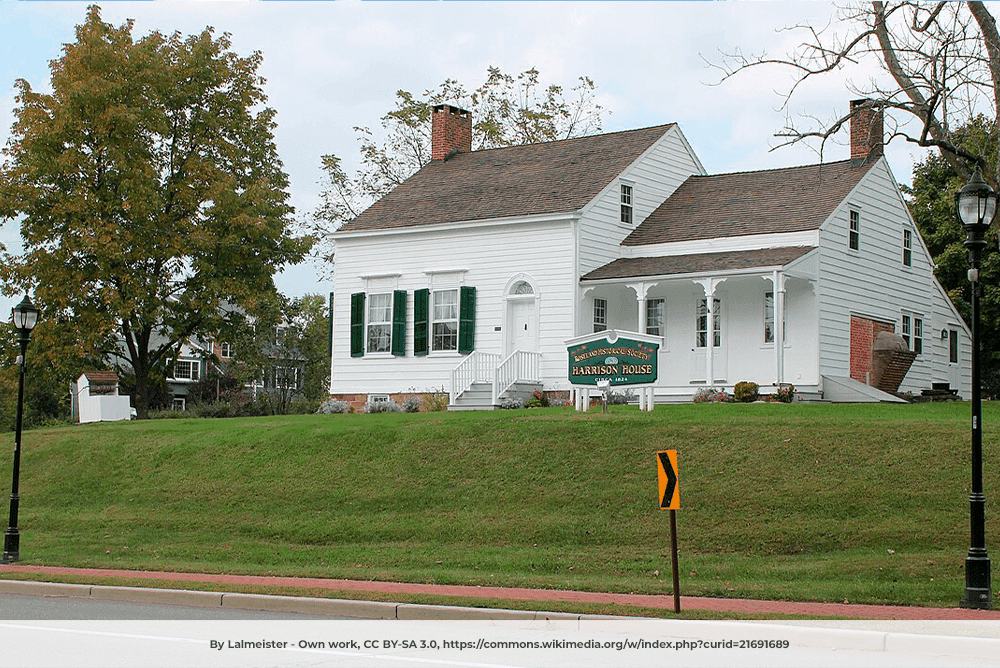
(839, 610)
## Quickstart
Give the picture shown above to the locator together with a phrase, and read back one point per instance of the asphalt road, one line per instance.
(23, 607)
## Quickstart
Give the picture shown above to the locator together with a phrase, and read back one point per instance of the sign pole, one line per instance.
(670, 499)
(673, 559)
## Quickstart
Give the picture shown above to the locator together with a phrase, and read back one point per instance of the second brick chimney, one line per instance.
(866, 130)
(451, 131)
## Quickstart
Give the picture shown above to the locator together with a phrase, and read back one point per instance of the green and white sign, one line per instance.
(621, 358)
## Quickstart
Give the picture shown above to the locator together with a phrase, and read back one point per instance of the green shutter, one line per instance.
(421, 301)
(467, 320)
(399, 323)
(329, 349)
(358, 324)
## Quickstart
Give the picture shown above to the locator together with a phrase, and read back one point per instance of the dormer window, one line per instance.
(626, 201)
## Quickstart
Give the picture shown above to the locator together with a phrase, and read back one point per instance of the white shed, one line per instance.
(98, 398)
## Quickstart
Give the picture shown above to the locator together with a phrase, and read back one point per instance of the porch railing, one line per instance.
(520, 366)
(477, 367)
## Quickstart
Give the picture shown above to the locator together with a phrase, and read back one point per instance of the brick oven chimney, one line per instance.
(866, 130)
(451, 131)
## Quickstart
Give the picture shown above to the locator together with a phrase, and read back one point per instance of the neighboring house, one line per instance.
(195, 359)
(472, 274)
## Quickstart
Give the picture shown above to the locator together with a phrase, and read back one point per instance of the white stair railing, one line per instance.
(477, 367)
(519, 367)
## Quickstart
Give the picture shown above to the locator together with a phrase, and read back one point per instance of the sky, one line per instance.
(331, 66)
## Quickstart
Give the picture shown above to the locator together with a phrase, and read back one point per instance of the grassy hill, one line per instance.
(866, 503)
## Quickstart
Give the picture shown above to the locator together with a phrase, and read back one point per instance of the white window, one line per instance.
(701, 334)
(913, 332)
(600, 314)
(225, 350)
(769, 319)
(179, 404)
(444, 321)
(379, 329)
(907, 248)
(286, 377)
(626, 199)
(655, 317)
(187, 369)
(854, 235)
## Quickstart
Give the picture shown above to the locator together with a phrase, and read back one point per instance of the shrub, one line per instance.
(383, 407)
(333, 406)
(616, 398)
(436, 401)
(785, 393)
(511, 403)
(746, 391)
(707, 395)
(412, 404)
(537, 400)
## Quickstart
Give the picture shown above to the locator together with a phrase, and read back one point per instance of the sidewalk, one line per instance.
(751, 607)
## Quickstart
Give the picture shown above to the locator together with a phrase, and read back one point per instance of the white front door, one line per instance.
(709, 338)
(522, 325)
(954, 359)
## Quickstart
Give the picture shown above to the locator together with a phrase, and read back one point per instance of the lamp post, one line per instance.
(976, 205)
(25, 317)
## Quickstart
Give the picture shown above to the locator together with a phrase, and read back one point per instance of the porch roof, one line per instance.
(698, 263)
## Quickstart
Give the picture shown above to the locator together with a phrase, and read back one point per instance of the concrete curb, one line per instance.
(809, 636)
(270, 603)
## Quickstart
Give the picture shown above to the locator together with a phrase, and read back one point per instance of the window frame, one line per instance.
(854, 230)
(701, 324)
(225, 350)
(194, 370)
(600, 314)
(907, 247)
(661, 316)
(626, 199)
(378, 333)
(434, 321)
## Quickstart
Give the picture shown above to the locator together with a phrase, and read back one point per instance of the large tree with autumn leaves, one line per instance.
(149, 193)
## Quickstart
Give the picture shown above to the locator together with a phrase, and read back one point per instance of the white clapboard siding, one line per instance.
(654, 177)
(872, 282)
(489, 257)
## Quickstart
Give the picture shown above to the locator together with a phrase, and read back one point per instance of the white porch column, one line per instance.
(640, 290)
(709, 285)
(778, 280)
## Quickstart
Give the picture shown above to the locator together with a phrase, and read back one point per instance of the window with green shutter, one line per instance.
(421, 302)
(358, 324)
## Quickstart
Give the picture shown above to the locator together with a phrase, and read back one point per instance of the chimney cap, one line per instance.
(450, 109)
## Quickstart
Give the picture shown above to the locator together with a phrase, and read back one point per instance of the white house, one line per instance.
(473, 274)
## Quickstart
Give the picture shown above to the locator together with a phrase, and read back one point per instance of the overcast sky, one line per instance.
(331, 66)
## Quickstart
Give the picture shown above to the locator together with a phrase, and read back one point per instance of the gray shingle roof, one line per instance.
(793, 199)
(526, 180)
(633, 267)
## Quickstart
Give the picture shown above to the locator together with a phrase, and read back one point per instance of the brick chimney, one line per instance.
(451, 131)
(866, 130)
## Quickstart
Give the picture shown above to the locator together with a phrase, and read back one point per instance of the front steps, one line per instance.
(479, 397)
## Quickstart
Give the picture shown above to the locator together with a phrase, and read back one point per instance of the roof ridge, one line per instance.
(782, 169)
(550, 142)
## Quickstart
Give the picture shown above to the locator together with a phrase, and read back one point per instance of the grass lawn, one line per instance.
(864, 503)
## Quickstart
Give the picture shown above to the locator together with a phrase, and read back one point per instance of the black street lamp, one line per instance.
(976, 205)
(25, 317)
